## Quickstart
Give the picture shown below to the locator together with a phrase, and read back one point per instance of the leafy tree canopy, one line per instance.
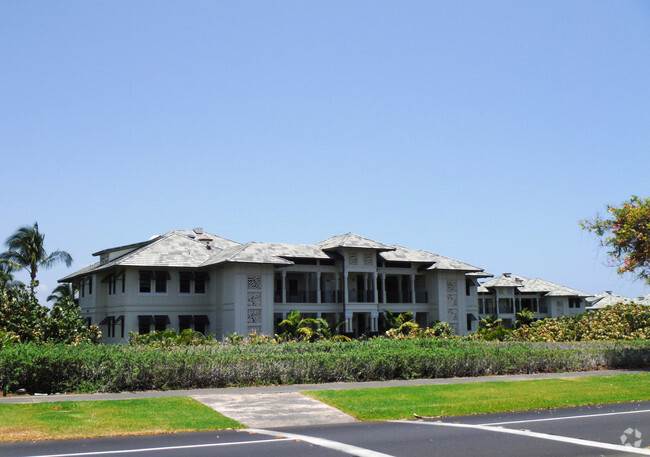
(626, 232)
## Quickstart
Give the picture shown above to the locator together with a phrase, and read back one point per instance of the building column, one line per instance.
(284, 288)
(337, 289)
(375, 290)
(415, 315)
(345, 289)
(374, 316)
(318, 292)
(383, 288)
(413, 289)
(307, 287)
(348, 320)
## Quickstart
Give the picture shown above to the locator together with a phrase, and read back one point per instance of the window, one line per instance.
(468, 285)
(186, 278)
(185, 322)
(160, 322)
(159, 278)
(90, 285)
(144, 324)
(574, 302)
(470, 318)
(200, 323)
(529, 303)
(543, 307)
(110, 322)
(199, 282)
(161, 282)
(506, 306)
(119, 320)
(145, 282)
(486, 306)
(185, 282)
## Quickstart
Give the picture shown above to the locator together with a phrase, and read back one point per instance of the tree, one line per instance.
(392, 320)
(21, 314)
(7, 280)
(524, 317)
(63, 293)
(27, 251)
(626, 232)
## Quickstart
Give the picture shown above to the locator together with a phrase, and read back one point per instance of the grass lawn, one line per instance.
(485, 397)
(85, 419)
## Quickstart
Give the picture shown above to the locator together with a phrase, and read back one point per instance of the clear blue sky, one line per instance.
(480, 130)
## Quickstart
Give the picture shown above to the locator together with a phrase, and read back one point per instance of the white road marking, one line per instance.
(568, 417)
(322, 442)
(545, 436)
(167, 448)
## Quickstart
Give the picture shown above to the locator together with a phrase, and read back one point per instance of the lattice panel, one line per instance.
(353, 259)
(368, 260)
(254, 316)
(254, 329)
(254, 299)
(452, 300)
(452, 315)
(452, 287)
(254, 282)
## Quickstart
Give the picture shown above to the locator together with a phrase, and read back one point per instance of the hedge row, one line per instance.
(107, 368)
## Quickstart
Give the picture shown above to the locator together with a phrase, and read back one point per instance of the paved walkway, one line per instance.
(279, 406)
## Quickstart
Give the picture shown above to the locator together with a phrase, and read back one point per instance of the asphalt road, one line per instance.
(581, 431)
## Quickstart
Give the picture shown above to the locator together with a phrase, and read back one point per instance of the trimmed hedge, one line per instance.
(107, 368)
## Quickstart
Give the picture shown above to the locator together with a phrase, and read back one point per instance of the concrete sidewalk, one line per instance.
(284, 405)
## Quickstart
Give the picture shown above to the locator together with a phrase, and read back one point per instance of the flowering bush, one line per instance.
(619, 322)
(411, 330)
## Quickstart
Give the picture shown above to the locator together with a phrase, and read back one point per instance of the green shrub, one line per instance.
(619, 322)
(110, 368)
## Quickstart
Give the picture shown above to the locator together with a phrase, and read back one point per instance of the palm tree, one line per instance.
(524, 317)
(63, 293)
(7, 280)
(393, 320)
(26, 251)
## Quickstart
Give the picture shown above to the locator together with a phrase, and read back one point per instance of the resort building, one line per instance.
(194, 279)
(506, 295)
(608, 298)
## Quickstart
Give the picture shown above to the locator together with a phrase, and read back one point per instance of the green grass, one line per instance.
(485, 397)
(85, 419)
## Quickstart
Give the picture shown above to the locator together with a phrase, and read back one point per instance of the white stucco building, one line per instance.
(194, 279)
(508, 294)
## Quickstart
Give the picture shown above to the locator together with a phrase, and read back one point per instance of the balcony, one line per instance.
(331, 296)
(394, 296)
(361, 296)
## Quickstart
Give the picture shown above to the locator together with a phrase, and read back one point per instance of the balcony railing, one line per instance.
(361, 296)
(393, 296)
(331, 296)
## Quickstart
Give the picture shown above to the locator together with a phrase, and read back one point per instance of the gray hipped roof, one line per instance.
(199, 249)
(178, 248)
(267, 253)
(607, 298)
(523, 284)
(350, 240)
(438, 262)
